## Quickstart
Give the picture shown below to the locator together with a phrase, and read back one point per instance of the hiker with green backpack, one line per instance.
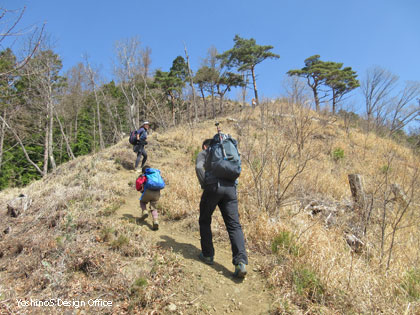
(222, 167)
(150, 183)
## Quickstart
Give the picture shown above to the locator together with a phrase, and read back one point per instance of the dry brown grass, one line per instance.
(69, 243)
(351, 283)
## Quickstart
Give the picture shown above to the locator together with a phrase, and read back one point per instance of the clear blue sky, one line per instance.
(359, 33)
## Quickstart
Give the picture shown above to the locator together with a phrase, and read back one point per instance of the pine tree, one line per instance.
(341, 82)
(246, 55)
(315, 74)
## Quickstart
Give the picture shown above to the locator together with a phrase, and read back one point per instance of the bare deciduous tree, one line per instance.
(19, 140)
(64, 136)
(190, 77)
(2, 136)
(275, 165)
(296, 90)
(146, 60)
(404, 108)
(129, 72)
(93, 75)
(10, 31)
(376, 88)
(42, 74)
(384, 108)
(72, 100)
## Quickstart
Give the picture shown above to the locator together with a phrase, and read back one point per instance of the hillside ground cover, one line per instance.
(295, 204)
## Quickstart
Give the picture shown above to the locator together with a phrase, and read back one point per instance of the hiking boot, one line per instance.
(155, 225)
(207, 260)
(240, 271)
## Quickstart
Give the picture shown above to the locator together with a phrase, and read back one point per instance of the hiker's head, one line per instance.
(146, 125)
(144, 168)
(206, 144)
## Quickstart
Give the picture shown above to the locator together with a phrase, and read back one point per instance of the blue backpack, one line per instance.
(223, 161)
(154, 179)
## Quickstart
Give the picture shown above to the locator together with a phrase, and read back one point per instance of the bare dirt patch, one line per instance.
(203, 288)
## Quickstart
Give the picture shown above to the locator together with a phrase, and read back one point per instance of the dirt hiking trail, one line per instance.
(204, 289)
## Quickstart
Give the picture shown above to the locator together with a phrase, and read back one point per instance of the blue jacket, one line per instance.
(143, 134)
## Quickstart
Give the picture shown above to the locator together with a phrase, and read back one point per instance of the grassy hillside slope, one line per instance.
(296, 209)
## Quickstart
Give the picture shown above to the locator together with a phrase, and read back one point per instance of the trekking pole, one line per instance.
(221, 140)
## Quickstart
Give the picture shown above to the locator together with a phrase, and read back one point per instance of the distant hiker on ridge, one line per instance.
(141, 136)
(222, 167)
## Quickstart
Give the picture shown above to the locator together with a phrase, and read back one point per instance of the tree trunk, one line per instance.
(173, 109)
(192, 87)
(188, 106)
(159, 111)
(334, 102)
(69, 150)
(204, 103)
(50, 136)
(117, 133)
(98, 114)
(119, 125)
(316, 98)
(23, 147)
(245, 79)
(3, 131)
(133, 119)
(221, 103)
(255, 85)
(46, 150)
(221, 95)
(138, 115)
(70, 131)
(60, 160)
(93, 83)
(212, 104)
(76, 126)
(135, 105)
(357, 191)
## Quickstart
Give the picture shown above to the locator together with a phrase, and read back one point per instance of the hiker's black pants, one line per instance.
(139, 149)
(224, 197)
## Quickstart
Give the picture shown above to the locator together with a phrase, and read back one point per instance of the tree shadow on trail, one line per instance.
(137, 220)
(190, 251)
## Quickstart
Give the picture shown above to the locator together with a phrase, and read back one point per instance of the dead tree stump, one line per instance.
(355, 243)
(400, 195)
(357, 191)
(19, 205)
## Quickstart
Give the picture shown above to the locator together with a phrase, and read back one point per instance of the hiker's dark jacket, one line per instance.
(199, 167)
(139, 147)
(222, 193)
(143, 135)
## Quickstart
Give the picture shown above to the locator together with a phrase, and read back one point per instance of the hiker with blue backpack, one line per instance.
(150, 183)
(222, 167)
(138, 140)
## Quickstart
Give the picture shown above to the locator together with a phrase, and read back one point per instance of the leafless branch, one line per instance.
(23, 62)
